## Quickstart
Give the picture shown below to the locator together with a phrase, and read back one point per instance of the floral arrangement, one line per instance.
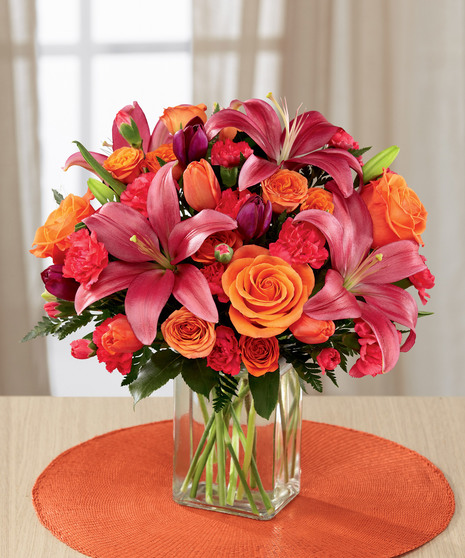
(238, 239)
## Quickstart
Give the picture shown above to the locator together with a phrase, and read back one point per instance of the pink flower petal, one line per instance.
(399, 260)
(137, 114)
(146, 297)
(192, 291)
(76, 159)
(255, 170)
(315, 132)
(160, 135)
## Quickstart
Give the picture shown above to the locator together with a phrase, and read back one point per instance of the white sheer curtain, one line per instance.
(391, 71)
(23, 366)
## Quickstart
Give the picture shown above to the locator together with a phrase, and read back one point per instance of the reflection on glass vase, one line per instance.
(234, 461)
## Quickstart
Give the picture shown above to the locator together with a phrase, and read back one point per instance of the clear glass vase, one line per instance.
(235, 461)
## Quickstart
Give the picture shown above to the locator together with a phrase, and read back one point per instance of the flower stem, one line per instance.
(220, 439)
(233, 471)
(201, 462)
(248, 447)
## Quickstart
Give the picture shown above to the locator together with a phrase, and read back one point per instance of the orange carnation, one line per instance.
(285, 189)
(175, 118)
(206, 253)
(188, 334)
(267, 294)
(317, 198)
(164, 152)
(51, 239)
(259, 355)
(312, 331)
(125, 163)
(396, 211)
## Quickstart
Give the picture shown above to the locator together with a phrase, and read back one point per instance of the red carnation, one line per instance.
(228, 153)
(135, 194)
(85, 259)
(421, 281)
(213, 274)
(225, 356)
(328, 359)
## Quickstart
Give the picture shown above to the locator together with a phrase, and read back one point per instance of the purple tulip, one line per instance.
(190, 143)
(57, 285)
(253, 218)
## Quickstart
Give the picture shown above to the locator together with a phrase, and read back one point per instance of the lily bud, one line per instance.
(253, 218)
(128, 129)
(374, 167)
(191, 143)
(223, 253)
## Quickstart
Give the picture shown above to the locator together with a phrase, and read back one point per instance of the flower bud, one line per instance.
(374, 167)
(223, 253)
(253, 218)
(129, 131)
(191, 143)
(83, 348)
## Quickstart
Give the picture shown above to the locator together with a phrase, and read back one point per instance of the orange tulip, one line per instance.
(201, 187)
(312, 331)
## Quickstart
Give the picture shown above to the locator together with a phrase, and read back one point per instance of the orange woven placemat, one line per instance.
(361, 496)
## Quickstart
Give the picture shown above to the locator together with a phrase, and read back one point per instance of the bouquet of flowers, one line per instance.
(235, 240)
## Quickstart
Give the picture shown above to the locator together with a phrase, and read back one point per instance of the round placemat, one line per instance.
(361, 496)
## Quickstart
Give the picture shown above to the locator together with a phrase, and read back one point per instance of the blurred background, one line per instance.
(387, 71)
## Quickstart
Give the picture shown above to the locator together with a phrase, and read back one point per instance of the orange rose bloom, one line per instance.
(266, 293)
(206, 253)
(120, 338)
(396, 211)
(175, 118)
(285, 189)
(201, 187)
(312, 331)
(317, 198)
(51, 239)
(164, 152)
(259, 355)
(191, 336)
(125, 163)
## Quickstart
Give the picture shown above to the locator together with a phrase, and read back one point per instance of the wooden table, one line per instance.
(34, 430)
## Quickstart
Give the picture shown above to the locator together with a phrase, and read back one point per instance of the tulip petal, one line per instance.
(255, 170)
(76, 159)
(115, 277)
(187, 236)
(192, 291)
(146, 297)
(115, 224)
(163, 204)
(333, 301)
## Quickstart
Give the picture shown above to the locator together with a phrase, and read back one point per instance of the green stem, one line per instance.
(248, 447)
(196, 455)
(203, 408)
(201, 463)
(209, 476)
(284, 460)
(221, 476)
(233, 472)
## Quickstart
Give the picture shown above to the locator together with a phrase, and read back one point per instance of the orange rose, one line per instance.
(285, 189)
(164, 152)
(125, 163)
(259, 355)
(119, 338)
(267, 294)
(396, 211)
(201, 187)
(312, 331)
(206, 253)
(191, 336)
(317, 198)
(51, 239)
(175, 118)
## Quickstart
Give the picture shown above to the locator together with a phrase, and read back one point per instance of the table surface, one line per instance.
(34, 430)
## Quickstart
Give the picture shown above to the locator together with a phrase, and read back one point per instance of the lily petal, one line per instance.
(137, 114)
(163, 204)
(145, 299)
(187, 236)
(115, 277)
(76, 159)
(255, 170)
(333, 301)
(192, 291)
(398, 260)
(115, 224)
(314, 132)
(160, 135)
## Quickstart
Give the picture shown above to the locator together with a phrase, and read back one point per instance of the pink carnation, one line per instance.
(135, 194)
(328, 359)
(213, 274)
(421, 281)
(228, 153)
(52, 309)
(231, 201)
(85, 259)
(225, 356)
(82, 349)
(343, 140)
(300, 243)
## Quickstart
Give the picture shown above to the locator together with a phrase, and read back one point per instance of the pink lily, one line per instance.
(360, 283)
(149, 255)
(293, 147)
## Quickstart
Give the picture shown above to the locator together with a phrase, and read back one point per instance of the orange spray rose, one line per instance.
(164, 152)
(188, 334)
(206, 253)
(51, 239)
(125, 163)
(396, 211)
(259, 355)
(267, 294)
(175, 118)
(201, 187)
(285, 189)
(317, 198)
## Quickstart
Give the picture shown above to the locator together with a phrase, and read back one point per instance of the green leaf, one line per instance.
(224, 391)
(163, 366)
(198, 376)
(332, 376)
(106, 176)
(139, 359)
(58, 197)
(161, 162)
(265, 390)
(229, 176)
(46, 326)
(359, 152)
(61, 328)
(101, 191)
